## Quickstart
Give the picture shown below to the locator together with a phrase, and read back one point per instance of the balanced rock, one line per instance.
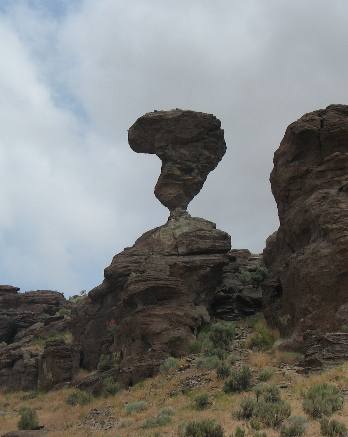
(190, 145)
(157, 293)
(308, 255)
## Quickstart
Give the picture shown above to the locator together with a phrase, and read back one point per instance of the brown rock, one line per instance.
(308, 256)
(190, 145)
(58, 364)
(155, 296)
(26, 319)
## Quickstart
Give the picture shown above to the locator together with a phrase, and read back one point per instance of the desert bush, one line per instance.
(294, 427)
(209, 362)
(204, 428)
(202, 401)
(333, 428)
(163, 418)
(267, 392)
(262, 338)
(218, 352)
(221, 334)
(135, 407)
(322, 400)
(223, 371)
(110, 386)
(272, 414)
(239, 380)
(78, 397)
(265, 374)
(28, 419)
(239, 432)
(260, 434)
(169, 365)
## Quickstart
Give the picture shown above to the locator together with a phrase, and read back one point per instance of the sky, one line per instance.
(76, 74)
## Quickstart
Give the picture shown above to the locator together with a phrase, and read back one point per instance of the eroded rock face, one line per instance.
(154, 297)
(26, 321)
(190, 145)
(157, 294)
(308, 256)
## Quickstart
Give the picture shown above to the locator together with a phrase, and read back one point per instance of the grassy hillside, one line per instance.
(188, 390)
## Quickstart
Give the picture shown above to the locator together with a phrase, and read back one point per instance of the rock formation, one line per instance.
(190, 145)
(308, 255)
(157, 294)
(27, 320)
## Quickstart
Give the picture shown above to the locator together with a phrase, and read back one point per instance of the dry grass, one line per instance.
(260, 360)
(164, 391)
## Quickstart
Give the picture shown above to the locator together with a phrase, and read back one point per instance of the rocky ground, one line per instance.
(134, 412)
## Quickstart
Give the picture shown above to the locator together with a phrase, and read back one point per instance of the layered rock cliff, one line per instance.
(157, 294)
(28, 321)
(308, 255)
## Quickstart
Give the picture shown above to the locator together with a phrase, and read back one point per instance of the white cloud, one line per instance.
(73, 193)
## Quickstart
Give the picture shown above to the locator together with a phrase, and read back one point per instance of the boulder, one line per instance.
(153, 298)
(58, 364)
(307, 257)
(26, 321)
(190, 145)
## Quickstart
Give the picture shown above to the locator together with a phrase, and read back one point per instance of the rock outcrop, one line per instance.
(157, 294)
(190, 145)
(27, 321)
(154, 297)
(308, 255)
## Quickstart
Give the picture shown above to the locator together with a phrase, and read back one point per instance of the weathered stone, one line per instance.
(324, 350)
(26, 319)
(154, 296)
(58, 364)
(308, 256)
(190, 145)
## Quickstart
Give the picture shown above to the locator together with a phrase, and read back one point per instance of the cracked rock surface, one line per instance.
(190, 145)
(308, 255)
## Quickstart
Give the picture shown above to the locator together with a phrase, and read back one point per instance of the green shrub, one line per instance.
(344, 328)
(209, 362)
(169, 365)
(28, 419)
(267, 392)
(204, 428)
(196, 346)
(333, 428)
(202, 401)
(221, 334)
(223, 371)
(163, 418)
(247, 408)
(322, 400)
(255, 424)
(110, 386)
(263, 338)
(78, 397)
(294, 427)
(272, 414)
(265, 374)
(239, 432)
(218, 352)
(135, 407)
(239, 380)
